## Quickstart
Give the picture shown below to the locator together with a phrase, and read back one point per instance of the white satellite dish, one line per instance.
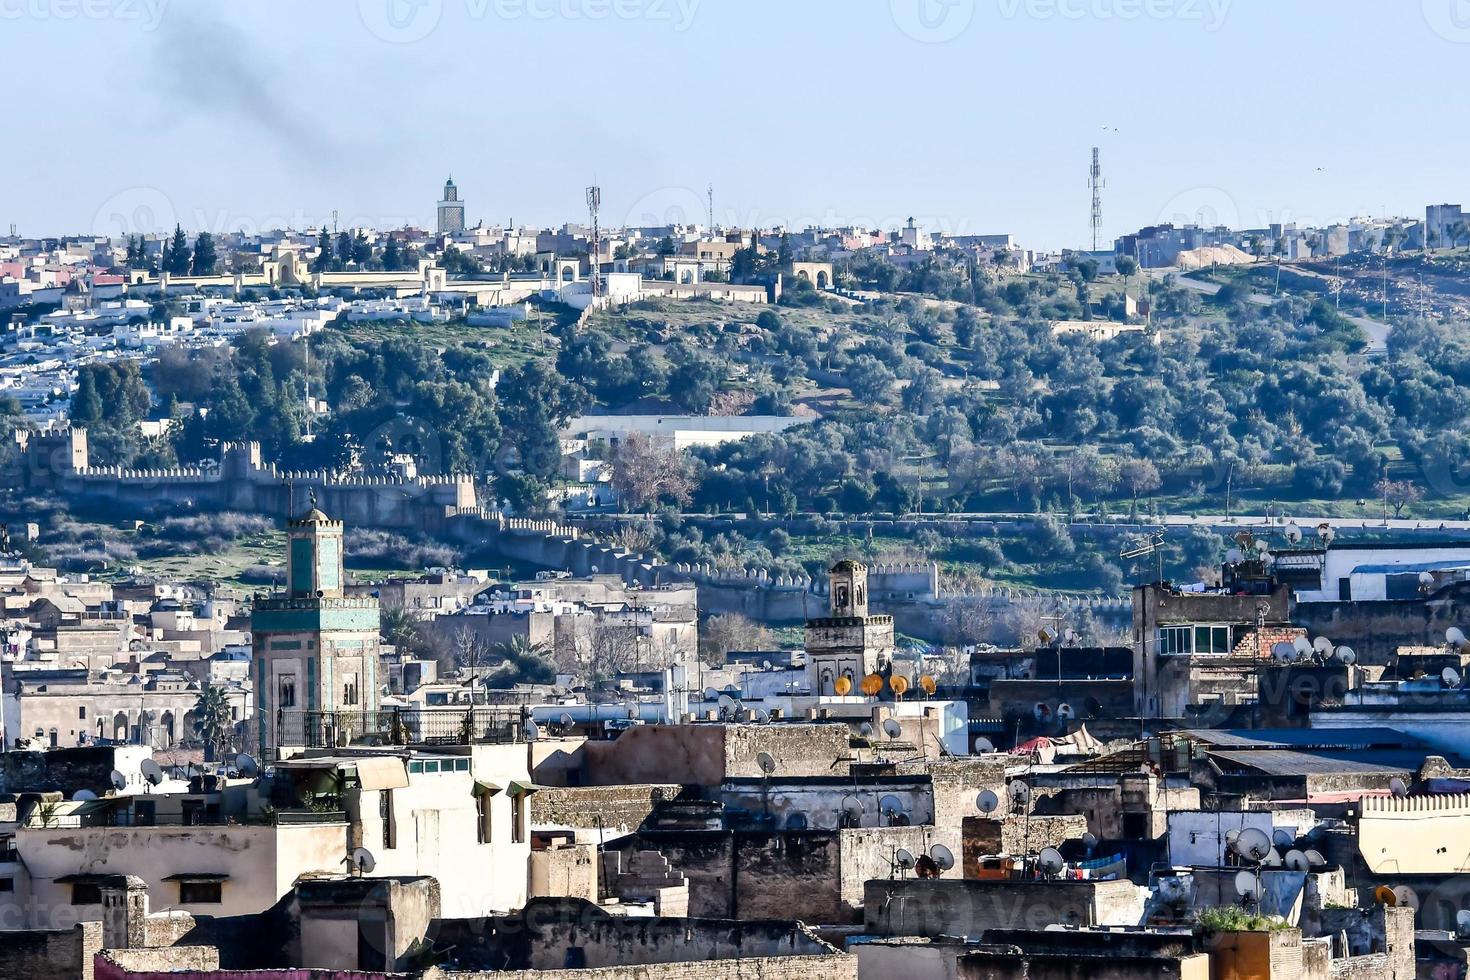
(727, 703)
(1302, 646)
(983, 746)
(1407, 897)
(1322, 645)
(1283, 653)
(119, 781)
(1426, 579)
(1450, 677)
(247, 765)
(1234, 556)
(1089, 841)
(1462, 923)
(566, 720)
(852, 812)
(1050, 861)
(1019, 791)
(904, 859)
(533, 731)
(1347, 656)
(987, 802)
(1326, 533)
(82, 795)
(1398, 787)
(1272, 859)
(1315, 859)
(152, 772)
(1253, 844)
(942, 856)
(763, 716)
(767, 762)
(1455, 637)
(1293, 533)
(1247, 886)
(710, 694)
(1297, 861)
(363, 860)
(1042, 711)
(866, 729)
(1066, 712)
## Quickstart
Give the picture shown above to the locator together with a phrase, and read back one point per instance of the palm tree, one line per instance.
(212, 721)
(401, 627)
(530, 662)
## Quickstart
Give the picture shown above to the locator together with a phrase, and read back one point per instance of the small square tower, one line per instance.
(848, 643)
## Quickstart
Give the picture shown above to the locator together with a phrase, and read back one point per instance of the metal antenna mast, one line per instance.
(1095, 182)
(711, 208)
(594, 205)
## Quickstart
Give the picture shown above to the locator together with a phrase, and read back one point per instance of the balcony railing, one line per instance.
(450, 725)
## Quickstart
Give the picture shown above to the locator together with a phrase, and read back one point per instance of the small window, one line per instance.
(385, 813)
(7, 885)
(415, 766)
(86, 893)
(482, 806)
(200, 893)
(461, 765)
(82, 711)
(518, 818)
(432, 765)
(349, 690)
(288, 691)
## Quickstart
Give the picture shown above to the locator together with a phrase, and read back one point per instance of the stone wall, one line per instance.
(50, 952)
(165, 959)
(832, 967)
(1015, 834)
(614, 809)
(970, 908)
(564, 872)
(705, 755)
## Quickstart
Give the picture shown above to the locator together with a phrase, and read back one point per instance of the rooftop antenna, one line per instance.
(594, 206)
(1096, 183)
(711, 194)
(334, 222)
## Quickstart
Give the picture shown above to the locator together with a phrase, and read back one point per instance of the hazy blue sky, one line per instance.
(973, 115)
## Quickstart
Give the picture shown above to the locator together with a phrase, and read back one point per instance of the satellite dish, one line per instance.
(1272, 859)
(1293, 533)
(890, 805)
(1234, 556)
(1020, 792)
(1322, 645)
(1089, 841)
(119, 781)
(1247, 886)
(566, 720)
(852, 812)
(1042, 711)
(83, 795)
(904, 859)
(763, 716)
(632, 712)
(1262, 547)
(1066, 712)
(1302, 646)
(1282, 837)
(727, 703)
(1455, 637)
(871, 685)
(767, 762)
(797, 821)
(1398, 787)
(1407, 897)
(899, 685)
(1450, 677)
(1297, 861)
(1046, 635)
(892, 728)
(1426, 579)
(987, 802)
(942, 856)
(842, 687)
(983, 745)
(1462, 922)
(247, 765)
(866, 729)
(533, 731)
(1050, 861)
(1384, 895)
(363, 860)
(1283, 653)
(1347, 656)
(928, 684)
(710, 694)
(1326, 533)
(152, 772)
(1315, 859)
(1253, 844)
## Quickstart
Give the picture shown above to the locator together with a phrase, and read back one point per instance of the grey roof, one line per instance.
(1322, 739)
(1277, 762)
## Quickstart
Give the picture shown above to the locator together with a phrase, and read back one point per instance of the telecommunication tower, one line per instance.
(1096, 183)
(711, 208)
(594, 205)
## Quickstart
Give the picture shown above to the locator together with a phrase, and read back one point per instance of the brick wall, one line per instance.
(50, 953)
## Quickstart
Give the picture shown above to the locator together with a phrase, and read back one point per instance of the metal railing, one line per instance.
(449, 725)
